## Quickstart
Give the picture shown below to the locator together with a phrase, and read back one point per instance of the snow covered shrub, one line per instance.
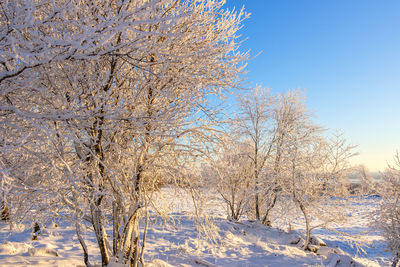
(232, 177)
(387, 215)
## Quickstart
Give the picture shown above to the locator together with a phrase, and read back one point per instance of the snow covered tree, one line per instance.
(293, 158)
(37, 34)
(387, 215)
(34, 33)
(233, 177)
(268, 122)
(367, 183)
(255, 127)
(314, 175)
(286, 108)
(108, 127)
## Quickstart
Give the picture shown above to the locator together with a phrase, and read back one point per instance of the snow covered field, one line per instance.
(176, 242)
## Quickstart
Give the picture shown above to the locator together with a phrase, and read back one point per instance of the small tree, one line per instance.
(387, 215)
(254, 124)
(285, 112)
(318, 169)
(313, 168)
(233, 177)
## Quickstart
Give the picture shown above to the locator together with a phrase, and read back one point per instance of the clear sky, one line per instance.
(345, 55)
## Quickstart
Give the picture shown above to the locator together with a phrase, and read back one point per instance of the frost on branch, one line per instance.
(386, 217)
(104, 101)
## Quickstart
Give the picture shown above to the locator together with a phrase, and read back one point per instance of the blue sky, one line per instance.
(345, 55)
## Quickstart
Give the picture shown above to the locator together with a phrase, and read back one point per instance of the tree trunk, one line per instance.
(131, 241)
(5, 213)
(83, 244)
(266, 220)
(239, 210)
(257, 205)
(396, 259)
(116, 228)
(308, 231)
(234, 215)
(100, 233)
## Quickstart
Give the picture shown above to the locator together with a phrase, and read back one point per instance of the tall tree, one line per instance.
(112, 126)
(254, 125)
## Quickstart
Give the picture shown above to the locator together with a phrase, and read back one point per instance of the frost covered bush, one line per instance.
(387, 215)
(231, 175)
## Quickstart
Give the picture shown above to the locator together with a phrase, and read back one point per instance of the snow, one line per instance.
(18, 249)
(175, 242)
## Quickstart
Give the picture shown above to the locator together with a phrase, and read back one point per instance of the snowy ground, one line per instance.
(240, 244)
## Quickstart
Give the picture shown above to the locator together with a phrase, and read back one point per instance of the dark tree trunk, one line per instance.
(266, 219)
(396, 259)
(5, 213)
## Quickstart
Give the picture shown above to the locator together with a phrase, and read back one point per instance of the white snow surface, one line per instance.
(175, 242)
